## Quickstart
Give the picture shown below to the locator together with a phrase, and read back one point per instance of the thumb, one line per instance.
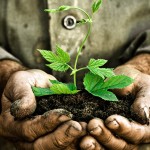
(19, 91)
(141, 105)
(130, 72)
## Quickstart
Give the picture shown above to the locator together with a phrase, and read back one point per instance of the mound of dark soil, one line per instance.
(85, 106)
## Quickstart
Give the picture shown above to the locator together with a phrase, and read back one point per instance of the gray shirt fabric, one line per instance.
(4, 54)
(25, 27)
(118, 27)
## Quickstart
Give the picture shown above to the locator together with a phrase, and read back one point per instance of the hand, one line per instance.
(139, 89)
(117, 132)
(64, 137)
(40, 132)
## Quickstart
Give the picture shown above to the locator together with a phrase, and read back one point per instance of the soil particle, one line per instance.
(85, 106)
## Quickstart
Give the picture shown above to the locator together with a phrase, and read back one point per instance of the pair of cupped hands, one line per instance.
(55, 130)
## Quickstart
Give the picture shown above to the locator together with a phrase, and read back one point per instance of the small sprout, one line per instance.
(96, 5)
(84, 21)
(61, 8)
(95, 80)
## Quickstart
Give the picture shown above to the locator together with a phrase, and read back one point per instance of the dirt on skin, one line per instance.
(85, 106)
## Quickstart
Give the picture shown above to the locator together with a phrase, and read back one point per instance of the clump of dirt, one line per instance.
(85, 106)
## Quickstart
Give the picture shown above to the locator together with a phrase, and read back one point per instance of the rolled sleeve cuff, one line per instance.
(141, 44)
(5, 55)
(143, 50)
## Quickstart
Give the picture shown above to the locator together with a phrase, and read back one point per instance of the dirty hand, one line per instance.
(117, 132)
(140, 90)
(43, 131)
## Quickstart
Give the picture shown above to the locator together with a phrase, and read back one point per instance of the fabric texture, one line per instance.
(34, 29)
(5, 55)
(141, 44)
(26, 30)
(120, 27)
(115, 27)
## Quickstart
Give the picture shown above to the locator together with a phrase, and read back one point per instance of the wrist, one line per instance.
(140, 62)
(7, 68)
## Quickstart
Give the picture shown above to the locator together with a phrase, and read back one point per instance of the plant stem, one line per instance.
(82, 44)
(81, 69)
(70, 67)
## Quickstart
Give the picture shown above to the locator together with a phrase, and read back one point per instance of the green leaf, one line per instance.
(41, 91)
(71, 86)
(58, 61)
(106, 72)
(102, 72)
(48, 55)
(104, 94)
(93, 84)
(96, 63)
(58, 66)
(63, 89)
(96, 72)
(55, 82)
(56, 88)
(117, 82)
(62, 55)
(96, 5)
(61, 8)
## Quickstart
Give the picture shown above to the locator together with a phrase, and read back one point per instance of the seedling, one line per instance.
(98, 81)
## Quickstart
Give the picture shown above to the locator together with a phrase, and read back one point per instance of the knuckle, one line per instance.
(27, 133)
(130, 147)
(59, 143)
(38, 145)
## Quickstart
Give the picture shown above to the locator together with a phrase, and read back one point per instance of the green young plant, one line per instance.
(98, 81)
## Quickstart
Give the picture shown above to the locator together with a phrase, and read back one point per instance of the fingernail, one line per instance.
(113, 124)
(63, 118)
(90, 147)
(96, 131)
(146, 111)
(73, 131)
(63, 112)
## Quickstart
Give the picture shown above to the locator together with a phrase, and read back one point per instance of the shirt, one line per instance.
(28, 28)
(119, 30)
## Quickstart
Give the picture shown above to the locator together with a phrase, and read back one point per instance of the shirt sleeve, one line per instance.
(5, 55)
(141, 44)
(145, 45)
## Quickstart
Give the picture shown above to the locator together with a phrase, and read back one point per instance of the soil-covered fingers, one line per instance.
(75, 144)
(41, 78)
(106, 138)
(24, 98)
(59, 139)
(140, 90)
(130, 131)
(19, 91)
(31, 129)
(72, 146)
(90, 143)
(141, 105)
